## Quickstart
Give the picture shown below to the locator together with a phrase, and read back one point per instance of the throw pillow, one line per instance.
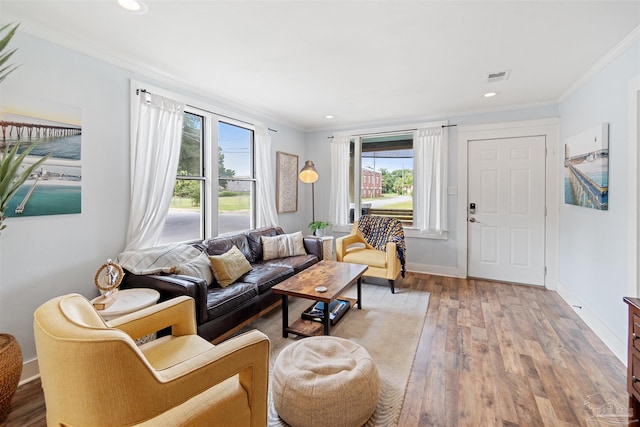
(228, 267)
(283, 245)
(199, 267)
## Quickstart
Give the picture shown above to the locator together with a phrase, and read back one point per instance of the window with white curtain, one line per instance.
(398, 172)
(215, 181)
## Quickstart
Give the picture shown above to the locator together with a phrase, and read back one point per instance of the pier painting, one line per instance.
(55, 187)
(586, 164)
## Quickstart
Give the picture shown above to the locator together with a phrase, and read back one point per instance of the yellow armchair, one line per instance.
(93, 373)
(382, 264)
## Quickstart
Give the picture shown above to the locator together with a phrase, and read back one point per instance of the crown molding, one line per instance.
(617, 50)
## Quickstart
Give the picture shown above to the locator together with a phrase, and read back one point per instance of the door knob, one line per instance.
(472, 220)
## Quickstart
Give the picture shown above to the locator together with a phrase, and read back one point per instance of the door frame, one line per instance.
(633, 195)
(549, 128)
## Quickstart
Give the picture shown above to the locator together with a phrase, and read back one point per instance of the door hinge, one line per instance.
(545, 211)
(545, 270)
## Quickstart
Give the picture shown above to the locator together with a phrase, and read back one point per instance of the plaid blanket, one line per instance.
(378, 230)
(161, 259)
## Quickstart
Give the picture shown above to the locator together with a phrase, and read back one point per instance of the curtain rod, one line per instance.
(212, 112)
(395, 131)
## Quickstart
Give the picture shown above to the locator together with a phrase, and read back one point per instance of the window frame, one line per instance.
(356, 136)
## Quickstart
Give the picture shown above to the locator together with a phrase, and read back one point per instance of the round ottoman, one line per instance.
(325, 381)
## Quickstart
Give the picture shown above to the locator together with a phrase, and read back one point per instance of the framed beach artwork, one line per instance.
(55, 188)
(286, 182)
(586, 165)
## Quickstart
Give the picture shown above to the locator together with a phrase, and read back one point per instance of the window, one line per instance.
(385, 165)
(198, 194)
(236, 178)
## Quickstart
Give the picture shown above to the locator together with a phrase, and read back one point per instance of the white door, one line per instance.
(506, 209)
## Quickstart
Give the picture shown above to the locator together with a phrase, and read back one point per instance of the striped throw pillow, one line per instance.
(282, 246)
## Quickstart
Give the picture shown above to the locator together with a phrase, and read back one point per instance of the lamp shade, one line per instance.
(308, 173)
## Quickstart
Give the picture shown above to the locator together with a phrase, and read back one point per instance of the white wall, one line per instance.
(593, 244)
(46, 256)
(423, 255)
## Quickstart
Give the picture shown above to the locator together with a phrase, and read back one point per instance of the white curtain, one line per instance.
(339, 200)
(430, 180)
(155, 152)
(266, 212)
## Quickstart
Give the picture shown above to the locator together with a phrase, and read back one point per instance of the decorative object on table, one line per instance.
(107, 279)
(586, 165)
(10, 371)
(317, 227)
(309, 175)
(286, 182)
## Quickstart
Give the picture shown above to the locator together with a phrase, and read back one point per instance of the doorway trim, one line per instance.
(549, 128)
(633, 196)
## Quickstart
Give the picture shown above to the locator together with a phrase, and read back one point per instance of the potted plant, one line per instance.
(12, 174)
(317, 227)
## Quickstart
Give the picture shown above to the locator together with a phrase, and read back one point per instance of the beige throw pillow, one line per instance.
(283, 245)
(228, 267)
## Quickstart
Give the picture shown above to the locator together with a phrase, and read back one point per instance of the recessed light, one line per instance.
(328, 116)
(490, 94)
(135, 6)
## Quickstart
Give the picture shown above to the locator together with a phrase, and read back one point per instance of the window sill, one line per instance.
(409, 232)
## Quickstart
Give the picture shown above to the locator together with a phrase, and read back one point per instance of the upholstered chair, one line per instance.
(94, 374)
(382, 264)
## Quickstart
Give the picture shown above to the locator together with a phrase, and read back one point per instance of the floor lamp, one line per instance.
(309, 175)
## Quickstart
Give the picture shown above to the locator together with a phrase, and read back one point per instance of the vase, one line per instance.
(319, 232)
(10, 371)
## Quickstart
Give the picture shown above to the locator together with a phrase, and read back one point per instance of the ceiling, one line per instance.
(364, 62)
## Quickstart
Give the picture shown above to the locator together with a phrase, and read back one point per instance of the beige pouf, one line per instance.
(325, 381)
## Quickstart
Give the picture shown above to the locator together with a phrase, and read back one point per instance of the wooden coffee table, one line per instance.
(335, 276)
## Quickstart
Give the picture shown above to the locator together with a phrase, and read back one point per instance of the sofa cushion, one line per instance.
(284, 245)
(221, 244)
(221, 301)
(255, 242)
(296, 263)
(228, 267)
(264, 276)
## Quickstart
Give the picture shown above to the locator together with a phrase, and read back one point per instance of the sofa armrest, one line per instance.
(313, 246)
(171, 286)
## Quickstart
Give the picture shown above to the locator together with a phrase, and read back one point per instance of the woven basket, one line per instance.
(10, 371)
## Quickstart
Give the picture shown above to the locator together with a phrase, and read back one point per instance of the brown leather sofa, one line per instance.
(221, 311)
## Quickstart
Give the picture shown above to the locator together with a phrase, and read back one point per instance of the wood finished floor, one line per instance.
(490, 354)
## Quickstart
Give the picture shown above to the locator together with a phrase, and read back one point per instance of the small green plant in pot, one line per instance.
(317, 227)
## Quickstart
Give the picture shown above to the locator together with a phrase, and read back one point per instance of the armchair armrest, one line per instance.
(177, 313)
(171, 286)
(246, 355)
(393, 263)
(343, 243)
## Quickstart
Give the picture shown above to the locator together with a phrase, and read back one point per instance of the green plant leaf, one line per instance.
(5, 40)
(11, 177)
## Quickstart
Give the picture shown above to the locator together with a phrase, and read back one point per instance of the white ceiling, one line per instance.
(362, 61)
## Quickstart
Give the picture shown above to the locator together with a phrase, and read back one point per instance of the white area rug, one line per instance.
(388, 326)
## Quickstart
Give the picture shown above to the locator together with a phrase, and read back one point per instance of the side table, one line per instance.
(328, 252)
(129, 301)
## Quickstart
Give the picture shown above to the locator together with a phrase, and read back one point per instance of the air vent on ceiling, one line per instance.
(498, 76)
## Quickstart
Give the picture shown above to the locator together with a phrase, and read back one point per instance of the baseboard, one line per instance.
(616, 345)
(30, 371)
(437, 270)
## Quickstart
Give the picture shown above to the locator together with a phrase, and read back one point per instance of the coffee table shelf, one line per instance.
(310, 328)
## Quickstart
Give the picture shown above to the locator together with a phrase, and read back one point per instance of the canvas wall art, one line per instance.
(286, 182)
(55, 188)
(586, 165)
